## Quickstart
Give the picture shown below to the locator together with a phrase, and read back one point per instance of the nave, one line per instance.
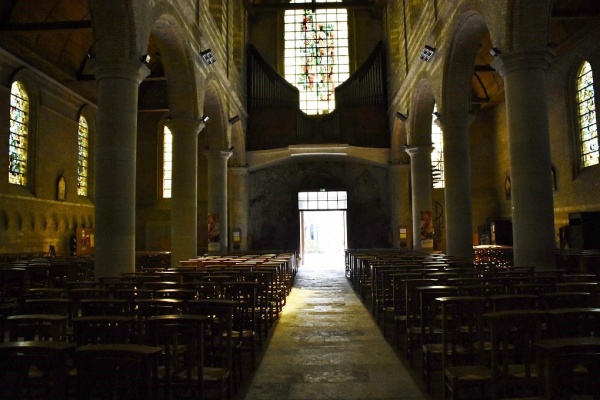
(326, 345)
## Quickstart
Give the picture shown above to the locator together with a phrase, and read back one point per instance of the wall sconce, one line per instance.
(204, 118)
(208, 56)
(495, 52)
(436, 114)
(145, 59)
(231, 149)
(427, 53)
(401, 116)
(233, 120)
(90, 54)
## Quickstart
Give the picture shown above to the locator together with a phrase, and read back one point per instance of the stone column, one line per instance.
(115, 159)
(420, 160)
(400, 202)
(457, 175)
(184, 197)
(239, 203)
(530, 164)
(217, 201)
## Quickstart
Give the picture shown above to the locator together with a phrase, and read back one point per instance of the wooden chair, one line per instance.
(34, 369)
(181, 338)
(568, 367)
(513, 364)
(146, 308)
(245, 321)
(117, 371)
(218, 344)
(413, 315)
(463, 363)
(431, 329)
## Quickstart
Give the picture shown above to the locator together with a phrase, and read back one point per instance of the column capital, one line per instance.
(217, 154)
(539, 58)
(418, 150)
(454, 120)
(185, 125)
(133, 70)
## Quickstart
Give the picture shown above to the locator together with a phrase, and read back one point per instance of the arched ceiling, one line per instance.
(56, 37)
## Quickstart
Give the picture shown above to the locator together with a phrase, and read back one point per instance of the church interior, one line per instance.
(453, 139)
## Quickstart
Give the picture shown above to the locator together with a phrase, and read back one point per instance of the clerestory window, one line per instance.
(167, 164)
(586, 116)
(437, 155)
(316, 54)
(19, 132)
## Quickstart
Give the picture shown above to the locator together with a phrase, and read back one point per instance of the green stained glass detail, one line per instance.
(316, 55)
(19, 128)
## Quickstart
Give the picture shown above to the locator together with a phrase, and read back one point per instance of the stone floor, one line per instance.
(327, 346)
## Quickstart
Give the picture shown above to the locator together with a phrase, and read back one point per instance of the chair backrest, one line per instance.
(38, 327)
(430, 308)
(508, 302)
(105, 306)
(552, 301)
(104, 329)
(573, 322)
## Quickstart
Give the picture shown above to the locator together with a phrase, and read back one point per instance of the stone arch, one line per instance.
(238, 158)
(178, 61)
(120, 29)
(420, 114)
(398, 154)
(458, 72)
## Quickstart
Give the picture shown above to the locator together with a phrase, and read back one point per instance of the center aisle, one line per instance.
(327, 346)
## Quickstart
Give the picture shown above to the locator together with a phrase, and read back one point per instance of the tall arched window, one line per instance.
(316, 54)
(167, 162)
(586, 115)
(83, 135)
(437, 155)
(19, 130)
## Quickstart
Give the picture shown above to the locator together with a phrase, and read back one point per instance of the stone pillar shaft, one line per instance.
(184, 194)
(530, 164)
(115, 159)
(420, 160)
(217, 201)
(457, 175)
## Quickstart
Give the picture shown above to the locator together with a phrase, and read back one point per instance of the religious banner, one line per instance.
(426, 230)
(214, 237)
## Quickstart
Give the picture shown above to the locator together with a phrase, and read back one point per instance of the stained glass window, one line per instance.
(167, 162)
(586, 112)
(19, 129)
(437, 155)
(316, 55)
(82, 156)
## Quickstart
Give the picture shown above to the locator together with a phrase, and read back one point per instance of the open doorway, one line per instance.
(323, 230)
